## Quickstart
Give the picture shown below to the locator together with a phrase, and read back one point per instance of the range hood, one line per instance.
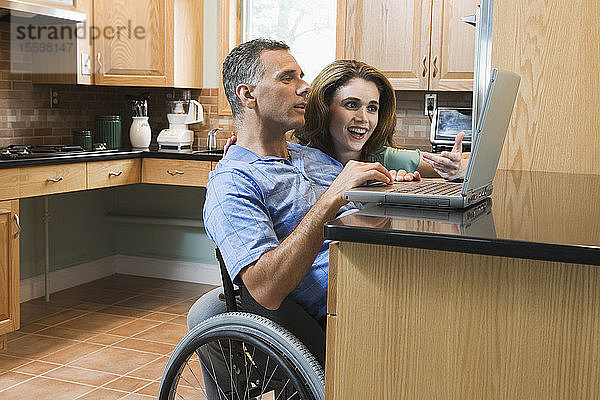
(55, 9)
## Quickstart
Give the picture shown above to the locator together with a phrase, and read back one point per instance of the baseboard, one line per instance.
(65, 278)
(168, 269)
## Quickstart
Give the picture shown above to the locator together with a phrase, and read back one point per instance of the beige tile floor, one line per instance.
(108, 339)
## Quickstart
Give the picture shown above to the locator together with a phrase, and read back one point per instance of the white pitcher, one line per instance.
(140, 133)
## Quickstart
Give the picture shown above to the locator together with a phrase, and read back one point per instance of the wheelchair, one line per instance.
(250, 355)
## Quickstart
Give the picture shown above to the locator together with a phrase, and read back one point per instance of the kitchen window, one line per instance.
(309, 28)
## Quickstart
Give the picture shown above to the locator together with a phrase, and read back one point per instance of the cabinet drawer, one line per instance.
(175, 172)
(9, 184)
(112, 173)
(36, 181)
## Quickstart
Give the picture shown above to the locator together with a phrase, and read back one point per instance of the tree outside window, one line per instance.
(307, 27)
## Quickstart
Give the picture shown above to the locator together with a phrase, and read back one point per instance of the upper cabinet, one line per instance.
(148, 43)
(134, 43)
(418, 45)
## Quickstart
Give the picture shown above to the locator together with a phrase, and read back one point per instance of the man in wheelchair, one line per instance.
(267, 199)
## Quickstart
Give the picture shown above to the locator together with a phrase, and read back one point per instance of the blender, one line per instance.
(177, 136)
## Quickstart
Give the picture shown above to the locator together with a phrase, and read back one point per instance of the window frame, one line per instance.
(230, 35)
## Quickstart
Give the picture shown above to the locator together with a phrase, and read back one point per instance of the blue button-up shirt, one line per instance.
(253, 203)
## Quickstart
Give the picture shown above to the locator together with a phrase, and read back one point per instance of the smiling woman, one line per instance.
(351, 115)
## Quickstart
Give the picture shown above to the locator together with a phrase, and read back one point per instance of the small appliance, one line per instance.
(446, 124)
(177, 136)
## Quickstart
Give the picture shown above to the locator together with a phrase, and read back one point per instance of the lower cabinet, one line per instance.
(175, 172)
(9, 268)
(102, 174)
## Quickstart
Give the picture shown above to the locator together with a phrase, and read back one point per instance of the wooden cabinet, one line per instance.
(102, 174)
(148, 43)
(175, 172)
(131, 43)
(9, 268)
(417, 44)
(66, 65)
(9, 183)
(50, 179)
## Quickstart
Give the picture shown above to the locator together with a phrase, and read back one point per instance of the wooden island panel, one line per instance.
(430, 324)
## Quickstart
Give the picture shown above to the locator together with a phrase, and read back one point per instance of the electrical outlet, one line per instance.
(86, 64)
(54, 99)
(430, 103)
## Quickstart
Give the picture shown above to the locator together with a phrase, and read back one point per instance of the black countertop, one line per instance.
(75, 157)
(533, 215)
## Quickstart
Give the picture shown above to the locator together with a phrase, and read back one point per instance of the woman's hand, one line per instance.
(230, 142)
(449, 164)
(403, 176)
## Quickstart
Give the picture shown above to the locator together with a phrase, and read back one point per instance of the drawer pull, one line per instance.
(435, 68)
(174, 172)
(424, 67)
(60, 178)
(115, 173)
(18, 225)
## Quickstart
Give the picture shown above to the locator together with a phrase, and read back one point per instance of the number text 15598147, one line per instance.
(46, 47)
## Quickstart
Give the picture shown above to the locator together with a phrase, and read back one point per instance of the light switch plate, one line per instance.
(86, 64)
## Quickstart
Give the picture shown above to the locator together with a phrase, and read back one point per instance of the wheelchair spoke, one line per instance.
(213, 376)
(247, 362)
(262, 389)
(197, 380)
(282, 389)
(293, 394)
(271, 377)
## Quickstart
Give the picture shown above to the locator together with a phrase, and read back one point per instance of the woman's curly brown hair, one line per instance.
(315, 132)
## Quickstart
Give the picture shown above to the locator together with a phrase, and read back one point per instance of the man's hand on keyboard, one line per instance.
(449, 164)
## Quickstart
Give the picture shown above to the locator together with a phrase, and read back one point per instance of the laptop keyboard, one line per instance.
(433, 188)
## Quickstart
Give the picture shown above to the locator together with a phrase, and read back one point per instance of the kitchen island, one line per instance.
(499, 301)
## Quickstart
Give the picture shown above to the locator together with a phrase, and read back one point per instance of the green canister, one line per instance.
(83, 138)
(108, 130)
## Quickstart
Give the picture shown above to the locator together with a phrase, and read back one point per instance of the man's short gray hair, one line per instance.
(243, 65)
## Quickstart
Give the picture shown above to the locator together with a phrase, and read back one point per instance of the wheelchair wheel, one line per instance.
(238, 356)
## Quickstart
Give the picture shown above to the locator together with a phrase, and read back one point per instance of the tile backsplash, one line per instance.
(26, 116)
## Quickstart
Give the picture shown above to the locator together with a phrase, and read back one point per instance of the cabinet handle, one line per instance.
(60, 178)
(99, 58)
(435, 68)
(18, 225)
(174, 172)
(115, 173)
(424, 67)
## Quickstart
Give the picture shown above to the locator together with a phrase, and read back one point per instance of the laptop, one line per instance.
(483, 162)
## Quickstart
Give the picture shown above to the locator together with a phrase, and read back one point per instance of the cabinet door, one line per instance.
(391, 35)
(452, 45)
(135, 43)
(9, 266)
